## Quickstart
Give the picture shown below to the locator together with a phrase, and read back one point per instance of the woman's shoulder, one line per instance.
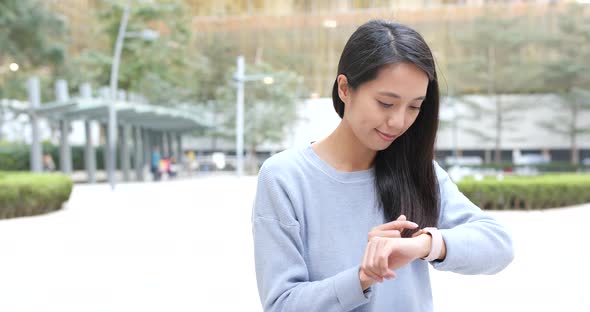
(441, 174)
(285, 163)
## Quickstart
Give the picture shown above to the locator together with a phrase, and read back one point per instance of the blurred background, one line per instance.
(168, 101)
(512, 72)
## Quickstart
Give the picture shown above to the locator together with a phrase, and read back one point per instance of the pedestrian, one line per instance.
(163, 167)
(155, 163)
(48, 163)
(190, 161)
(352, 221)
(172, 167)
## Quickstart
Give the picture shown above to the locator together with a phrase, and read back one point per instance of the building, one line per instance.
(308, 36)
(318, 119)
(305, 35)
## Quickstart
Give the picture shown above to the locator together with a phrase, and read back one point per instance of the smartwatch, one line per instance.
(437, 241)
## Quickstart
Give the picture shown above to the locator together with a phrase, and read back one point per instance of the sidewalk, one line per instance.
(186, 245)
(80, 176)
(550, 271)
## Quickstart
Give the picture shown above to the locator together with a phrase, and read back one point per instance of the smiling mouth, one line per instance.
(386, 137)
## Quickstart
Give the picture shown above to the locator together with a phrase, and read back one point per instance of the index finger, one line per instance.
(397, 225)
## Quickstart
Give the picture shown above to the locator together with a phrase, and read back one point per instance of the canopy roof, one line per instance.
(134, 114)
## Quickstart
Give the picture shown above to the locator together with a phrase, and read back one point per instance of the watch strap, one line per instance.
(437, 241)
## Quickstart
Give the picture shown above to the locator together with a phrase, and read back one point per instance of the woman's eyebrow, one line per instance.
(395, 95)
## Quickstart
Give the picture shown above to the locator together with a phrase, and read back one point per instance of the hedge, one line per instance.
(27, 194)
(538, 192)
(549, 167)
(15, 156)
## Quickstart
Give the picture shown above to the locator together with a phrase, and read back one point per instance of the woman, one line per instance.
(351, 222)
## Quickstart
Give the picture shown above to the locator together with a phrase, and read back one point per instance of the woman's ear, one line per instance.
(343, 88)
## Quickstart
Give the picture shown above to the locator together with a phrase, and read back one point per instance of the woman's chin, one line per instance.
(380, 146)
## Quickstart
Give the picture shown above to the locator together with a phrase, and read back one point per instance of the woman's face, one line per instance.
(380, 110)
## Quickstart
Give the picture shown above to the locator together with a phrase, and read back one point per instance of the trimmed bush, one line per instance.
(542, 168)
(553, 167)
(27, 194)
(538, 192)
(16, 156)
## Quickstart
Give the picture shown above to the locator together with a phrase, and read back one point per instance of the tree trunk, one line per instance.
(498, 145)
(215, 134)
(575, 154)
(573, 134)
(251, 161)
(214, 142)
(492, 94)
(1, 120)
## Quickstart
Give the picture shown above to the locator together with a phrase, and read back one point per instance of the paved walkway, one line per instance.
(187, 246)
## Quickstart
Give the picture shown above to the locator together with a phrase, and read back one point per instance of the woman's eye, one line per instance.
(415, 107)
(385, 104)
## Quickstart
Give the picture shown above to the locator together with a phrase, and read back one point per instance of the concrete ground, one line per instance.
(187, 246)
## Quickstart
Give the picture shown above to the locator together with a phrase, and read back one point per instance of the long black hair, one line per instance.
(405, 178)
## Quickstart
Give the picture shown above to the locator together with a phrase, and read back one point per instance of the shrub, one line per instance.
(28, 194)
(16, 156)
(538, 192)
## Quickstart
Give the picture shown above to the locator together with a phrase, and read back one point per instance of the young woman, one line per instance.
(351, 222)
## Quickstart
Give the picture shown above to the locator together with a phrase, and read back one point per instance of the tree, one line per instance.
(269, 110)
(34, 38)
(163, 70)
(494, 57)
(567, 74)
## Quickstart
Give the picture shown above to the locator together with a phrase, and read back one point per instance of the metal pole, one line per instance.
(112, 112)
(89, 154)
(170, 143)
(240, 73)
(65, 151)
(138, 153)
(160, 143)
(179, 152)
(165, 147)
(125, 160)
(147, 150)
(35, 101)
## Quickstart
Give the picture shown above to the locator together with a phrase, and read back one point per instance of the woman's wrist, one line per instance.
(425, 243)
(432, 238)
(366, 281)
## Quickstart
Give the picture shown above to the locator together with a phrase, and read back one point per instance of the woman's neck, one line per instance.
(343, 151)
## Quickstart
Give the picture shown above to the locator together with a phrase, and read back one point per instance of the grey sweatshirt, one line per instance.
(310, 224)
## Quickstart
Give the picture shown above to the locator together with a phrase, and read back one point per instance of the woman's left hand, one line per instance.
(386, 253)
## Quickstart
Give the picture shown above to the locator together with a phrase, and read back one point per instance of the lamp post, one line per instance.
(240, 78)
(146, 34)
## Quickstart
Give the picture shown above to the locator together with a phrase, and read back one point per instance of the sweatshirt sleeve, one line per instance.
(281, 271)
(476, 243)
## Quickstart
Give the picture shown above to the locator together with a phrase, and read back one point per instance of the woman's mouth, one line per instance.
(386, 137)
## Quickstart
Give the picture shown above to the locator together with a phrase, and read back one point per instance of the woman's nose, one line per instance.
(395, 122)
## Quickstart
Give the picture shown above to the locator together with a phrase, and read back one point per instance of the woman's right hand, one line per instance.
(391, 229)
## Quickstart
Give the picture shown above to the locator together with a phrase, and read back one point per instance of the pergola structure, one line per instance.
(141, 128)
